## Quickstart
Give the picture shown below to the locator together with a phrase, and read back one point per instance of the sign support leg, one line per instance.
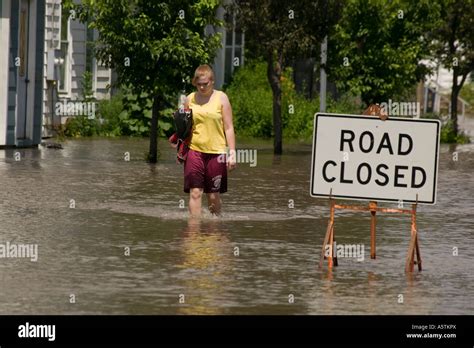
(414, 248)
(329, 238)
(417, 246)
(326, 241)
(332, 259)
(373, 223)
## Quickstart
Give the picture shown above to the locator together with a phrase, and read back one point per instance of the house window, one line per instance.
(90, 50)
(234, 52)
(89, 77)
(64, 52)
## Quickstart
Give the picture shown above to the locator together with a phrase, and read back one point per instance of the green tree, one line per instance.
(378, 45)
(280, 30)
(467, 93)
(152, 45)
(454, 46)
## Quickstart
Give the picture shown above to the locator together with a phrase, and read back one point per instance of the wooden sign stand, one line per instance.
(329, 239)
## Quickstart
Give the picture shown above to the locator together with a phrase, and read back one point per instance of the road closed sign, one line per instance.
(365, 158)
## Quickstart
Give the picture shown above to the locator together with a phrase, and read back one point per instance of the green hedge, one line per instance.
(447, 135)
(125, 114)
(252, 103)
(251, 99)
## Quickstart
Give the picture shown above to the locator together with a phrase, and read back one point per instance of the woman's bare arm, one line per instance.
(188, 99)
(228, 128)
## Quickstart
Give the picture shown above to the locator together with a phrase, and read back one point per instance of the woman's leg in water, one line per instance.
(214, 203)
(195, 199)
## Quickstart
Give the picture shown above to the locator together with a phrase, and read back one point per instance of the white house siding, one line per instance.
(4, 67)
(78, 61)
(52, 35)
(74, 65)
(21, 61)
(102, 80)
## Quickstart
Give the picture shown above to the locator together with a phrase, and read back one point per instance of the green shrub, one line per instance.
(251, 99)
(297, 112)
(135, 118)
(432, 116)
(447, 130)
(166, 123)
(252, 103)
(448, 136)
(346, 104)
(108, 112)
(86, 86)
(467, 93)
(81, 126)
(125, 114)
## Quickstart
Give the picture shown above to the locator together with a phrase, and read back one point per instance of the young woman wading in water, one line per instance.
(206, 165)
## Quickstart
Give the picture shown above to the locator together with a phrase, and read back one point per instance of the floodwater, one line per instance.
(113, 238)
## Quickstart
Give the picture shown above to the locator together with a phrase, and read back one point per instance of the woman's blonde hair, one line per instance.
(203, 70)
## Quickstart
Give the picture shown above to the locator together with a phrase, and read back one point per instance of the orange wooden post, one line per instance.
(373, 222)
(329, 237)
(333, 235)
(331, 262)
(417, 247)
(326, 240)
(323, 249)
(413, 249)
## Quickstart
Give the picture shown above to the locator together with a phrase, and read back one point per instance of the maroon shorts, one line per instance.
(205, 170)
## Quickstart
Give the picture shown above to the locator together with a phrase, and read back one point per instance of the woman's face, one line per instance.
(204, 85)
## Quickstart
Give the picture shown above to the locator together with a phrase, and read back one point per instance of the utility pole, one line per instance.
(323, 81)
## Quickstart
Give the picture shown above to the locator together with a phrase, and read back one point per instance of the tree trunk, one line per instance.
(277, 126)
(153, 153)
(454, 101)
(274, 70)
(454, 97)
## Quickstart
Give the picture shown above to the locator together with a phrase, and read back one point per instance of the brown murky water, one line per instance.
(120, 204)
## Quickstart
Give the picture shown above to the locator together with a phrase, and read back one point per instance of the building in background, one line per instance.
(21, 72)
(71, 67)
(231, 54)
(50, 59)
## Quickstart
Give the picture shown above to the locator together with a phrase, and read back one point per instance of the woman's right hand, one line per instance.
(231, 163)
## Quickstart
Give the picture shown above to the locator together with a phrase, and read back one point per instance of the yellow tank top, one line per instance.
(208, 125)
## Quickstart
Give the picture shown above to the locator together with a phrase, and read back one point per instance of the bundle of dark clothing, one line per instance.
(183, 122)
(182, 147)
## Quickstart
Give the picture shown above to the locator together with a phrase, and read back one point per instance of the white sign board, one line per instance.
(365, 158)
